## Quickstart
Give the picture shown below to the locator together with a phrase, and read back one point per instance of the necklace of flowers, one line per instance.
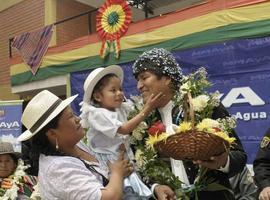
(151, 131)
(16, 178)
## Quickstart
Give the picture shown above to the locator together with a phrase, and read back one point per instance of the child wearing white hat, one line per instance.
(104, 114)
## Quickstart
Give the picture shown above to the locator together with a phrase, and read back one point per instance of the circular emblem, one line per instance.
(112, 21)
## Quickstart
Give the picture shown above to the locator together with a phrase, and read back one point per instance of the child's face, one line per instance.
(7, 165)
(111, 96)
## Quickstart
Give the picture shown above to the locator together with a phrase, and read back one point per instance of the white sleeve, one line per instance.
(85, 111)
(74, 180)
(128, 106)
(105, 122)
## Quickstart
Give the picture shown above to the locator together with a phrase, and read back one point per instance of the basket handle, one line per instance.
(189, 108)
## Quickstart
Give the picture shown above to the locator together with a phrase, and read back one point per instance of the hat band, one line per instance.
(45, 115)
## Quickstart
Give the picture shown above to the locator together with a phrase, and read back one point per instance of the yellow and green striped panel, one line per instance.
(223, 25)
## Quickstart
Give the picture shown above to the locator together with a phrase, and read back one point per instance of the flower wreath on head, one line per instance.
(151, 131)
(20, 183)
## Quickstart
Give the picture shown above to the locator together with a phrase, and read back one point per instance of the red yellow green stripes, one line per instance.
(260, 28)
(248, 21)
(147, 26)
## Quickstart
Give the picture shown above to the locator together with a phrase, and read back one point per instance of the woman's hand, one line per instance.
(122, 166)
(164, 192)
(119, 169)
(265, 194)
(6, 183)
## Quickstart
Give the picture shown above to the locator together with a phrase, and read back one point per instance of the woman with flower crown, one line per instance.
(157, 71)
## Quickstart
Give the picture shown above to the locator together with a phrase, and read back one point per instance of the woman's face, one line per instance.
(7, 165)
(69, 130)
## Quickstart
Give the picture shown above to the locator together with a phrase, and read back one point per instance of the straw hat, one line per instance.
(7, 148)
(97, 74)
(40, 111)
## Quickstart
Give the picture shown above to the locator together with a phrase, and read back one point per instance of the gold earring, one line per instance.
(56, 144)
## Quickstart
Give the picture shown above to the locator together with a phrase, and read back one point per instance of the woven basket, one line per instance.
(193, 144)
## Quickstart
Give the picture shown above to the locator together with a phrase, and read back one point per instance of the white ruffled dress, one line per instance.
(104, 141)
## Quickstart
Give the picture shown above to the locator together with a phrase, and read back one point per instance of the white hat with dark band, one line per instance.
(96, 75)
(40, 111)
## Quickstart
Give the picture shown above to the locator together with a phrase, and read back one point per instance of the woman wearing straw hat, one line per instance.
(157, 71)
(15, 183)
(67, 169)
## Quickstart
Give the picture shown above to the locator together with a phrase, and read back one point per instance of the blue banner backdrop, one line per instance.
(10, 122)
(239, 69)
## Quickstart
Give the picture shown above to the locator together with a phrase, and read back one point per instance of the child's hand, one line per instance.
(6, 183)
(122, 166)
(153, 101)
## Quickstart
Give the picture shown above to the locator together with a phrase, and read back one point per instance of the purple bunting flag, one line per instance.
(32, 46)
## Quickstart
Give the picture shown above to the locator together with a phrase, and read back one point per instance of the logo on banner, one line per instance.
(242, 95)
(10, 125)
(10, 122)
(247, 96)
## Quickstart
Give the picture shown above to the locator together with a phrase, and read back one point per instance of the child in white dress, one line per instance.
(104, 113)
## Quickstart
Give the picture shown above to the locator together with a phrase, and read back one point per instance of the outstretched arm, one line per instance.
(149, 106)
